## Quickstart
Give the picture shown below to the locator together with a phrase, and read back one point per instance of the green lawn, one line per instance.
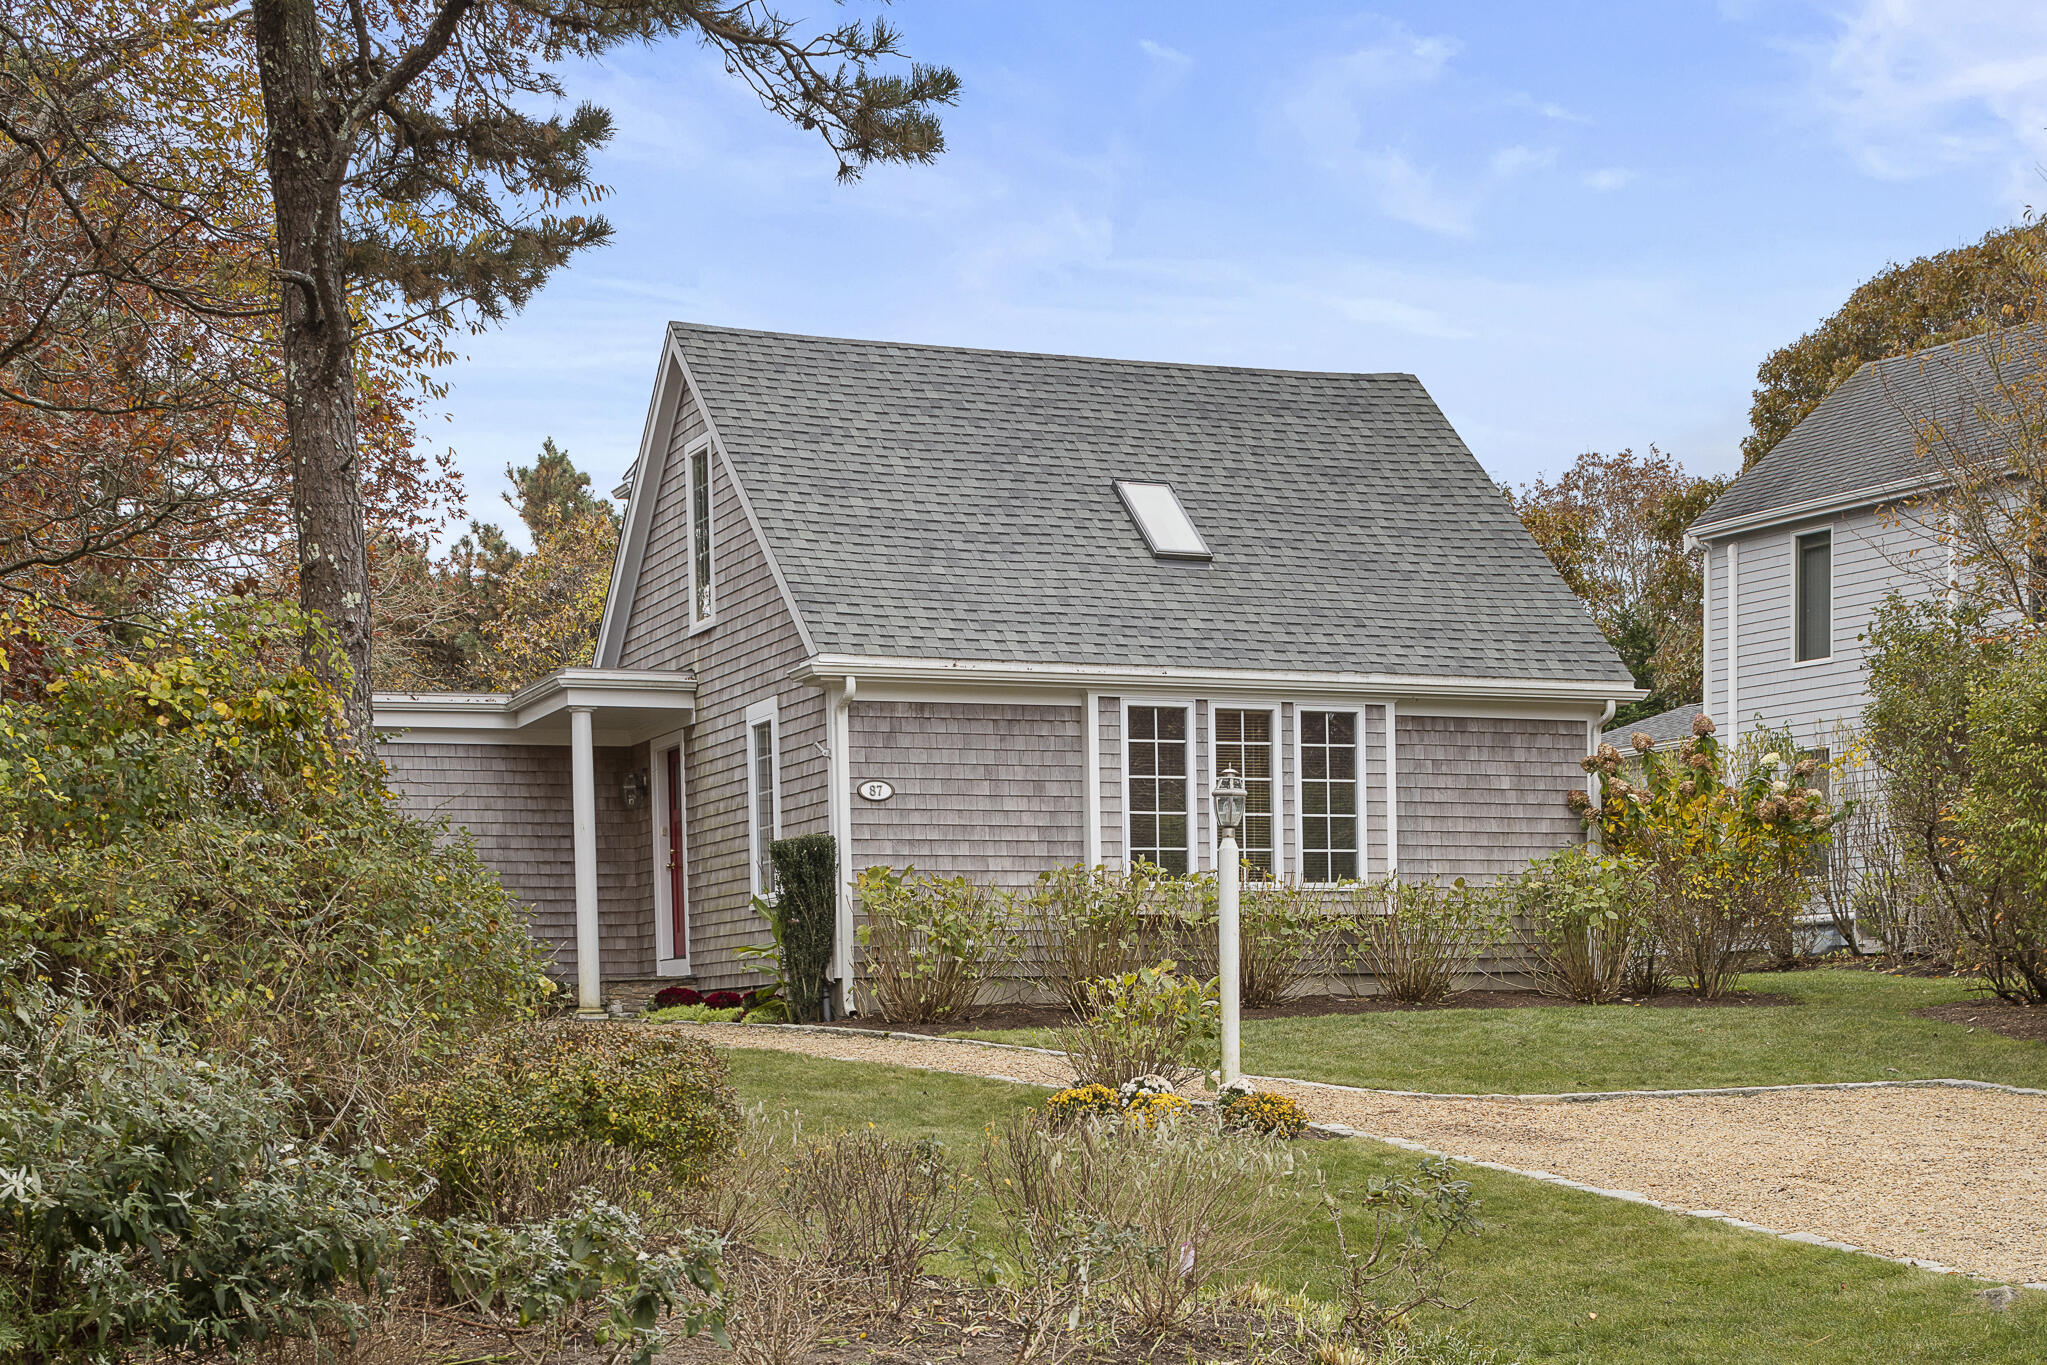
(1847, 1026)
(1665, 1288)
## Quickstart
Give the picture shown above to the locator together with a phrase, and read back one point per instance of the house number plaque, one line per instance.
(875, 790)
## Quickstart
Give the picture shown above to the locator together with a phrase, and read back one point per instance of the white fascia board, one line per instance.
(639, 510)
(1699, 533)
(1113, 678)
(599, 689)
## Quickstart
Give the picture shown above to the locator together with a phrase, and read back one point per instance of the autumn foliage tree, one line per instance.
(139, 385)
(1933, 299)
(1613, 526)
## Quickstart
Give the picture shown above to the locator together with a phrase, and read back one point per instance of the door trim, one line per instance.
(667, 960)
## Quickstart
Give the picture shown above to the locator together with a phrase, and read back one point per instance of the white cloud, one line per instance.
(1912, 86)
(1165, 56)
(1513, 161)
(1607, 178)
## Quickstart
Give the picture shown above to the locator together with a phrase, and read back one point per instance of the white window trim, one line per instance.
(1833, 579)
(703, 446)
(1363, 780)
(1279, 792)
(761, 712)
(667, 962)
(1194, 794)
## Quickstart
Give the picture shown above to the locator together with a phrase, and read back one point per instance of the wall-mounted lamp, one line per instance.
(632, 789)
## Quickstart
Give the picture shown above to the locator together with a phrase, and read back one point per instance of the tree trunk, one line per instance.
(319, 369)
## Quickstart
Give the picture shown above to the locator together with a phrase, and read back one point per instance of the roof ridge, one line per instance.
(1194, 365)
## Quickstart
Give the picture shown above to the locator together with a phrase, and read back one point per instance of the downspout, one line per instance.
(1592, 787)
(841, 814)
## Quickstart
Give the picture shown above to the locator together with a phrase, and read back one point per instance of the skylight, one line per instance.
(1165, 523)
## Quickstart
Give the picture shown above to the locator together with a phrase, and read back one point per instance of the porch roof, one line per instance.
(626, 706)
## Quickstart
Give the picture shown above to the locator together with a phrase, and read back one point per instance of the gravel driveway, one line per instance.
(1949, 1175)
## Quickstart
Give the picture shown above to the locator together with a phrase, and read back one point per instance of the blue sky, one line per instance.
(1581, 225)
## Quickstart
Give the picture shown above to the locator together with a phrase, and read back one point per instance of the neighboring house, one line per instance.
(1804, 546)
(987, 613)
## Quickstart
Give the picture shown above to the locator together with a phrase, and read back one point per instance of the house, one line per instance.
(988, 613)
(1800, 550)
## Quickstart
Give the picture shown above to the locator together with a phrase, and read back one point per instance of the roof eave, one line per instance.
(1875, 495)
(1107, 677)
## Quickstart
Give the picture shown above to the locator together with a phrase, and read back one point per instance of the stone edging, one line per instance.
(1636, 1197)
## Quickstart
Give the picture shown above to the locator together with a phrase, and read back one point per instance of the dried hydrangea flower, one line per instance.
(1702, 724)
(1643, 741)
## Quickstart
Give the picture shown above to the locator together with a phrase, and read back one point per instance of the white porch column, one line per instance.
(583, 787)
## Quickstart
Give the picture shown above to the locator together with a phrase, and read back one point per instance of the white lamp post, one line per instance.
(1228, 798)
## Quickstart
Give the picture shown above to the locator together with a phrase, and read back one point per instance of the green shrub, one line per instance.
(180, 839)
(1149, 1022)
(488, 1130)
(1284, 937)
(1590, 923)
(586, 1273)
(2002, 824)
(1086, 924)
(153, 1200)
(1417, 940)
(931, 943)
(803, 917)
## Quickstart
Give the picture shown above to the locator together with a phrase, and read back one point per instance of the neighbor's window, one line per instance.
(1329, 796)
(1159, 786)
(761, 779)
(1243, 740)
(700, 529)
(1813, 592)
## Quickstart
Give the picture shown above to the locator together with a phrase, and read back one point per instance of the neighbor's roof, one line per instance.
(1861, 444)
(1665, 727)
(943, 503)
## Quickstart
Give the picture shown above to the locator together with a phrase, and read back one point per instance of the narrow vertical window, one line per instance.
(700, 529)
(1243, 740)
(1159, 787)
(763, 783)
(1329, 796)
(1813, 592)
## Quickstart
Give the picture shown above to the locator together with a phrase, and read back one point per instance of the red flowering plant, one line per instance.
(1729, 858)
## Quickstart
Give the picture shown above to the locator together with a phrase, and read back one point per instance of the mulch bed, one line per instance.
(1315, 1006)
(2013, 1021)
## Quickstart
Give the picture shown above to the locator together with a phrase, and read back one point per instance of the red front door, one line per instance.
(678, 875)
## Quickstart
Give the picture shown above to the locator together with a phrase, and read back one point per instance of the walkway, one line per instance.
(1950, 1175)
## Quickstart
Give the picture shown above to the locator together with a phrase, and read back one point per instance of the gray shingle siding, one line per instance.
(514, 801)
(935, 502)
(744, 657)
(1480, 796)
(991, 791)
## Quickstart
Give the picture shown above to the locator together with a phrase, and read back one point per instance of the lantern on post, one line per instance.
(1227, 799)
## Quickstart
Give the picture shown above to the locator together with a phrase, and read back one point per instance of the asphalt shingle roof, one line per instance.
(1865, 435)
(936, 502)
(1665, 727)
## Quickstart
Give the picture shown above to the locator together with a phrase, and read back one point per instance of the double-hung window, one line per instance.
(1812, 593)
(763, 796)
(700, 532)
(1243, 741)
(1161, 784)
(1330, 809)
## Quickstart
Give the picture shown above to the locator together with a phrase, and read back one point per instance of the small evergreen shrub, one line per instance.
(695, 1014)
(803, 917)
(659, 1104)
